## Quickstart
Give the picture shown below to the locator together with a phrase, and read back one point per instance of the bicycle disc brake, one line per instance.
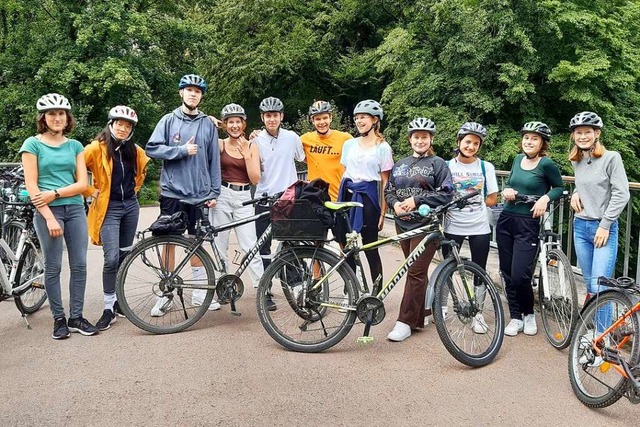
(370, 304)
(229, 288)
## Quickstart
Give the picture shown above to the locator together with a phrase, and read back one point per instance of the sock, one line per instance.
(109, 301)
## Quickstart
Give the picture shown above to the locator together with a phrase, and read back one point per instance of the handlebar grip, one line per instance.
(262, 198)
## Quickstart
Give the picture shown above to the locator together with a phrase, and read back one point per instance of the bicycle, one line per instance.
(607, 336)
(320, 304)
(22, 271)
(553, 277)
(158, 266)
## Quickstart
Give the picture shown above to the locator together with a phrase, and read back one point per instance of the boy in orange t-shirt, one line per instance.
(323, 147)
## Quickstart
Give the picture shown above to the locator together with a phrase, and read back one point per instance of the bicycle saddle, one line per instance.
(342, 206)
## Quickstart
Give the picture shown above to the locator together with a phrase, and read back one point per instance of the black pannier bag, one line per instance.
(169, 224)
(300, 213)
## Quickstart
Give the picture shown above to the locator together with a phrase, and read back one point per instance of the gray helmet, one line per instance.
(472, 128)
(586, 118)
(122, 112)
(271, 104)
(233, 110)
(52, 101)
(193, 80)
(369, 106)
(537, 127)
(320, 107)
(422, 123)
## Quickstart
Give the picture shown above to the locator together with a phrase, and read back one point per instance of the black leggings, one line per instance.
(478, 244)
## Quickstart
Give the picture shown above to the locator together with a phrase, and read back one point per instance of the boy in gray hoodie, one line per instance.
(187, 142)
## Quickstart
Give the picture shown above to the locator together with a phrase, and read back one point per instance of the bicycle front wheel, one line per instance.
(30, 268)
(11, 233)
(468, 314)
(559, 312)
(299, 317)
(596, 382)
(161, 289)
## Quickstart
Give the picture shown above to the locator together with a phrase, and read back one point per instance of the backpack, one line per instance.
(315, 192)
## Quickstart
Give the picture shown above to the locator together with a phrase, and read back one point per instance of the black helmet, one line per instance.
(586, 118)
(271, 104)
(473, 128)
(320, 107)
(537, 127)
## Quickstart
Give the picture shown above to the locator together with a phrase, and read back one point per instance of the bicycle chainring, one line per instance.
(230, 287)
(370, 304)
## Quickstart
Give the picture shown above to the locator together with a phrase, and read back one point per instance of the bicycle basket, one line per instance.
(296, 220)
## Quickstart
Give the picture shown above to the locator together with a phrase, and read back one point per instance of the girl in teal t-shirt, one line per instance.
(55, 176)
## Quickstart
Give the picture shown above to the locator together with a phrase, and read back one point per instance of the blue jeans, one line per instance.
(595, 262)
(117, 233)
(73, 223)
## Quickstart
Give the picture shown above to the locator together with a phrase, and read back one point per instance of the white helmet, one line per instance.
(122, 112)
(52, 101)
(233, 110)
(421, 124)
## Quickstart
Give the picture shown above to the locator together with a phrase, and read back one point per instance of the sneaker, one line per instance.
(117, 310)
(400, 332)
(515, 326)
(530, 327)
(82, 325)
(479, 325)
(108, 318)
(271, 304)
(589, 358)
(197, 298)
(163, 304)
(60, 329)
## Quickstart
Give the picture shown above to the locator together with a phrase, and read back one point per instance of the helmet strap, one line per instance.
(118, 141)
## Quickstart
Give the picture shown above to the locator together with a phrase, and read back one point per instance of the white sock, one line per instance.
(109, 301)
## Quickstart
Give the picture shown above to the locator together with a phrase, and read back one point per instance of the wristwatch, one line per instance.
(56, 193)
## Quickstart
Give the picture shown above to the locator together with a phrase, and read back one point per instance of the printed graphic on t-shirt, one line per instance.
(466, 182)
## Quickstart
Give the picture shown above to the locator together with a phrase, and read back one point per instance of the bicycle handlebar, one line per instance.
(264, 199)
(428, 212)
(523, 198)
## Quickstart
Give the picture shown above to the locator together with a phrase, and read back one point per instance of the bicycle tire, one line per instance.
(560, 312)
(598, 385)
(140, 281)
(30, 266)
(457, 321)
(304, 323)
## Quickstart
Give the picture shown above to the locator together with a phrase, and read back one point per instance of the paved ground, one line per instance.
(227, 370)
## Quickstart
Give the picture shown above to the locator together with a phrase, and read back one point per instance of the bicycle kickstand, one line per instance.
(24, 317)
(366, 338)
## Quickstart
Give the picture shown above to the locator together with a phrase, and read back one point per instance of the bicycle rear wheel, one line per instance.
(559, 312)
(30, 267)
(306, 319)
(154, 296)
(595, 382)
(471, 329)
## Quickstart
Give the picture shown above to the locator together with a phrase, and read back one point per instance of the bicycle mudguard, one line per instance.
(428, 299)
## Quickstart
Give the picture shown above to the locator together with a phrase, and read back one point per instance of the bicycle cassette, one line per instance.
(230, 287)
(373, 305)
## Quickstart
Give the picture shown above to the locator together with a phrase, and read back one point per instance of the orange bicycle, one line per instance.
(604, 357)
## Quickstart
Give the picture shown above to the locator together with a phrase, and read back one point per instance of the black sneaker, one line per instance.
(271, 304)
(117, 310)
(108, 318)
(60, 329)
(82, 326)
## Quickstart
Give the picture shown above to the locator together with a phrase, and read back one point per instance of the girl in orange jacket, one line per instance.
(119, 168)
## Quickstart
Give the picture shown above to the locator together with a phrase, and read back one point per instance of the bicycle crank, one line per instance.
(371, 305)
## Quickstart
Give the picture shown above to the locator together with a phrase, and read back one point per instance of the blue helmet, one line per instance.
(193, 80)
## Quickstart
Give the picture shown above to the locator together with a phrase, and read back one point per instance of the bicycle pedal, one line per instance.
(365, 340)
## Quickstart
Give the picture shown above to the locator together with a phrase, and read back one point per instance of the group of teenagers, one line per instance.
(198, 165)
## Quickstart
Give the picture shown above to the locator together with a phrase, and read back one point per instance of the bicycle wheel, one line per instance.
(157, 298)
(560, 311)
(307, 320)
(595, 382)
(470, 329)
(30, 267)
(11, 234)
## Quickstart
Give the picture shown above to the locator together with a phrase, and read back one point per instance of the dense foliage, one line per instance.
(500, 62)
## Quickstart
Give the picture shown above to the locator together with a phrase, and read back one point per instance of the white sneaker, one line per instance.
(515, 326)
(530, 327)
(197, 298)
(586, 345)
(163, 304)
(479, 325)
(400, 332)
(445, 311)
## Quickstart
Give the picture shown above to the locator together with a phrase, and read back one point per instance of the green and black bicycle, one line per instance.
(320, 298)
